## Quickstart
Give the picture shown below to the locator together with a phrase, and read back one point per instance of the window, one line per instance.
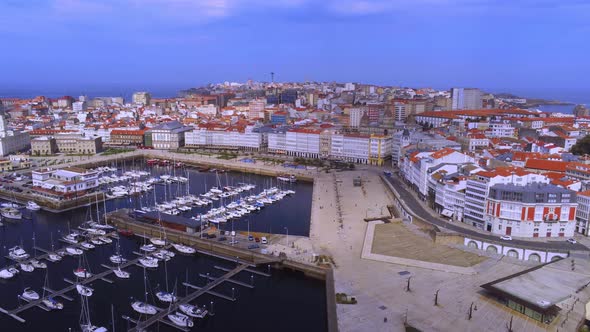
(500, 227)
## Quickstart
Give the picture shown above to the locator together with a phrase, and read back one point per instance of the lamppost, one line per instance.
(287, 230)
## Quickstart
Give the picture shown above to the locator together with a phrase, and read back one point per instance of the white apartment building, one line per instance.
(238, 137)
(450, 197)
(303, 142)
(355, 116)
(12, 141)
(79, 106)
(466, 99)
(415, 167)
(65, 183)
(500, 129)
(362, 149)
(477, 189)
(277, 142)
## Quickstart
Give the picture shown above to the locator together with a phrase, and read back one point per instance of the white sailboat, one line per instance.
(50, 302)
(85, 323)
(30, 295)
(192, 310)
(180, 319)
(84, 291)
(144, 307)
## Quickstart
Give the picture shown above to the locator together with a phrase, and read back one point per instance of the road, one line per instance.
(412, 202)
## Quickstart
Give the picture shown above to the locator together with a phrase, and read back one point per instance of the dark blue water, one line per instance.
(286, 301)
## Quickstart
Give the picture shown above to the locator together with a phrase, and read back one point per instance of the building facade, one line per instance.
(169, 135)
(533, 210)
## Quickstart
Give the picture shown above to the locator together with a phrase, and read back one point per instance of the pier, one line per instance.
(161, 316)
(62, 292)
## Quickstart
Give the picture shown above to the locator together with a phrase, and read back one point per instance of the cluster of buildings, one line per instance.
(472, 156)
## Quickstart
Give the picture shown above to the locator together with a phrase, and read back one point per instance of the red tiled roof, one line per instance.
(548, 165)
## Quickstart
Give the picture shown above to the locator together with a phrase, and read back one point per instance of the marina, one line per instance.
(218, 282)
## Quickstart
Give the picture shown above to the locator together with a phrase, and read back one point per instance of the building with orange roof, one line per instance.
(415, 168)
(477, 189)
(361, 148)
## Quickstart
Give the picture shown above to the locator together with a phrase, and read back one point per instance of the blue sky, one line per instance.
(92, 44)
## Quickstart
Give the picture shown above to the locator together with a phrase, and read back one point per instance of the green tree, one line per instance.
(582, 146)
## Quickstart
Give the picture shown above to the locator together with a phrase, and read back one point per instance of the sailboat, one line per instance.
(85, 323)
(193, 310)
(144, 307)
(82, 272)
(50, 302)
(30, 295)
(84, 290)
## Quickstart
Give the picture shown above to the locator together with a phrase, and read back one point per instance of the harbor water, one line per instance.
(285, 301)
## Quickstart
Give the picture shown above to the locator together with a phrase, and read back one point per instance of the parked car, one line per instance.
(506, 237)
(572, 241)
(211, 236)
(253, 246)
(263, 240)
(250, 238)
(257, 239)
(222, 238)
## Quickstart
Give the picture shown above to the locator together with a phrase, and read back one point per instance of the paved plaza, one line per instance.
(384, 303)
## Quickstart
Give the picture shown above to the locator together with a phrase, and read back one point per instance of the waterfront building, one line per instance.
(232, 137)
(43, 146)
(277, 141)
(127, 137)
(65, 183)
(303, 142)
(76, 144)
(533, 210)
(362, 149)
(419, 139)
(168, 135)
(142, 98)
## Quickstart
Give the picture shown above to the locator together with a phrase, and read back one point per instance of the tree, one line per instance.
(582, 146)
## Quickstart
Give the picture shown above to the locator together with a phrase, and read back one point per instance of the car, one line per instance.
(506, 237)
(222, 238)
(211, 236)
(250, 238)
(572, 241)
(232, 242)
(257, 239)
(263, 240)
(253, 246)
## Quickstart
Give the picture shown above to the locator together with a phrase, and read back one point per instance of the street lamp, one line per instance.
(287, 230)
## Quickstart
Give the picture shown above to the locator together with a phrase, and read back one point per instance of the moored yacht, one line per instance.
(33, 206)
(11, 213)
(17, 253)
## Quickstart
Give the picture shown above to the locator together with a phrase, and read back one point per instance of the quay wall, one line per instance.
(120, 219)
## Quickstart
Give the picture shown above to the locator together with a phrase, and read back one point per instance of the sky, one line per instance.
(101, 45)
